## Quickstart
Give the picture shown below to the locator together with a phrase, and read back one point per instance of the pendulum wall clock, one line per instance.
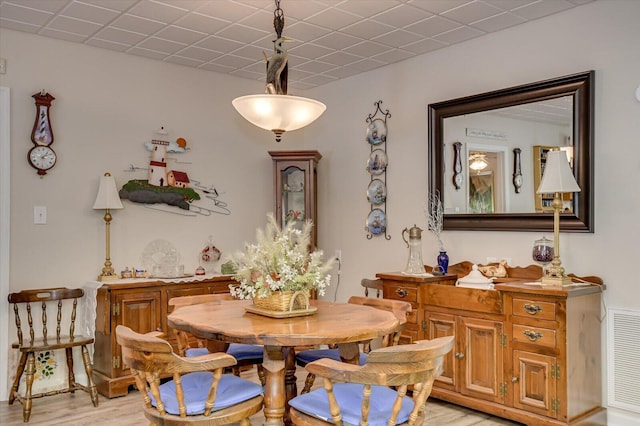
(517, 170)
(42, 157)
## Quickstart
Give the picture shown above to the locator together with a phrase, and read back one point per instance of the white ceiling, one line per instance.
(334, 38)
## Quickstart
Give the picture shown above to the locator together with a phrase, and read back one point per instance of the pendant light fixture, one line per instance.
(275, 110)
(478, 161)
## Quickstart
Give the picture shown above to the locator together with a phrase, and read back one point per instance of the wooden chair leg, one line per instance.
(261, 376)
(88, 367)
(236, 370)
(16, 381)
(31, 369)
(72, 377)
(308, 383)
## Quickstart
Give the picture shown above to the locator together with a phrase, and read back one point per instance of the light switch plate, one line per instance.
(40, 215)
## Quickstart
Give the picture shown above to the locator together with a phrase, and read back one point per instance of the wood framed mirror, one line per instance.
(494, 124)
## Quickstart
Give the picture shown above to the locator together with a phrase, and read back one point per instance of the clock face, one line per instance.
(517, 182)
(458, 179)
(42, 158)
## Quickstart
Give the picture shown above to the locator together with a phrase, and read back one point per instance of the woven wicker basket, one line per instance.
(284, 301)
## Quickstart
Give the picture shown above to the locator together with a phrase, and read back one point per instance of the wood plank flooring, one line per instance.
(76, 410)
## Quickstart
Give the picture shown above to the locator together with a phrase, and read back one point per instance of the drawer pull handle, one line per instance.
(402, 292)
(459, 355)
(532, 309)
(514, 379)
(533, 336)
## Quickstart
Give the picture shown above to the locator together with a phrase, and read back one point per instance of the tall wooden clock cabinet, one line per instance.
(295, 188)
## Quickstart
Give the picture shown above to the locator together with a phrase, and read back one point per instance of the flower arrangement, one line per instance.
(280, 261)
(435, 216)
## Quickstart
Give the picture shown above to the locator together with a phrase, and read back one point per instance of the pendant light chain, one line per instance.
(278, 19)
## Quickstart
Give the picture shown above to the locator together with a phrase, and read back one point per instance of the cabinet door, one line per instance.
(442, 325)
(141, 312)
(534, 382)
(480, 353)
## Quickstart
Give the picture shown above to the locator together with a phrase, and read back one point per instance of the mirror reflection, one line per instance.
(487, 142)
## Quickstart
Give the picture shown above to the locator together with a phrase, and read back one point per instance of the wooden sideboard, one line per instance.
(523, 352)
(141, 305)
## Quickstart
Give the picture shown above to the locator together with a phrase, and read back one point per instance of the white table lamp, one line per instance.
(557, 179)
(107, 200)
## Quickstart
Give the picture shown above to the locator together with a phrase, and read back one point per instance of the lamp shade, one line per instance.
(557, 175)
(278, 113)
(107, 197)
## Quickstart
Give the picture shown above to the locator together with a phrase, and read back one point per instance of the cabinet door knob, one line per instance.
(533, 336)
(532, 309)
(514, 380)
(459, 355)
(402, 292)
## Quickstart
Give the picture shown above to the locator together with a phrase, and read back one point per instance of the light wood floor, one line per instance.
(76, 410)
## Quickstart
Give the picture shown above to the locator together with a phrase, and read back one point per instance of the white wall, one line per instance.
(108, 104)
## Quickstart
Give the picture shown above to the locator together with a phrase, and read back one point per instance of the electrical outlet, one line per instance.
(338, 255)
(40, 215)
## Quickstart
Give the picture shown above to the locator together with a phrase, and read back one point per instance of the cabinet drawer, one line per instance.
(412, 317)
(538, 336)
(401, 292)
(534, 308)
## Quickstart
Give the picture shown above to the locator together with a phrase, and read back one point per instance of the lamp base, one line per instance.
(107, 277)
(558, 281)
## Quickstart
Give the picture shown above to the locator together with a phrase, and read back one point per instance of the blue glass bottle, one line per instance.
(443, 261)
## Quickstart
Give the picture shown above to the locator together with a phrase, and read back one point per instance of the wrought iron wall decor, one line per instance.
(377, 164)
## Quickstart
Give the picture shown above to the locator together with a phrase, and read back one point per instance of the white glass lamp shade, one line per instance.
(478, 162)
(278, 113)
(107, 197)
(557, 175)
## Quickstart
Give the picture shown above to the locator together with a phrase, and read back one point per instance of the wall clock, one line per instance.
(517, 170)
(42, 157)
(457, 166)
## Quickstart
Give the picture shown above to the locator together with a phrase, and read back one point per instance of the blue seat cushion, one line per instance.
(239, 351)
(349, 397)
(305, 357)
(231, 390)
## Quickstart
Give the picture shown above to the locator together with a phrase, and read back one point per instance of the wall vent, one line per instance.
(623, 365)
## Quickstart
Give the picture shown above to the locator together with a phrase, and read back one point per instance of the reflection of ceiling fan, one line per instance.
(478, 161)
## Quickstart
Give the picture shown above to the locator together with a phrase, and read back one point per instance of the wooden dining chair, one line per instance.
(198, 394)
(372, 284)
(63, 303)
(354, 394)
(399, 308)
(245, 354)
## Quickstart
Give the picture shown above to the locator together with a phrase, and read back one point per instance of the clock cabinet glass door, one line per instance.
(295, 192)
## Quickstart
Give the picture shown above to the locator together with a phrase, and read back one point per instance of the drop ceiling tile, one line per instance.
(298, 85)
(119, 5)
(241, 33)
(472, 12)
(399, 17)
(246, 74)
(310, 51)
(184, 4)
(298, 74)
(319, 79)
(316, 67)
(263, 20)
(119, 36)
(137, 24)
(157, 11)
(216, 68)
(397, 38)
(367, 49)
(433, 26)
(367, 29)
(219, 44)
(90, 13)
(509, 4)
(24, 14)
(232, 61)
(498, 22)
(180, 35)
(393, 55)
(458, 35)
(146, 53)
(333, 18)
(304, 31)
(340, 58)
(342, 72)
(366, 65)
(261, 68)
(424, 46)
(53, 6)
(250, 51)
(337, 40)
(367, 8)
(184, 61)
(299, 9)
(438, 6)
(542, 8)
(199, 54)
(62, 35)
(107, 44)
(161, 45)
(201, 23)
(72, 25)
(18, 26)
(229, 11)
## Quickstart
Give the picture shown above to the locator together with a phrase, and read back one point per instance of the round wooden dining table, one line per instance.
(343, 324)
